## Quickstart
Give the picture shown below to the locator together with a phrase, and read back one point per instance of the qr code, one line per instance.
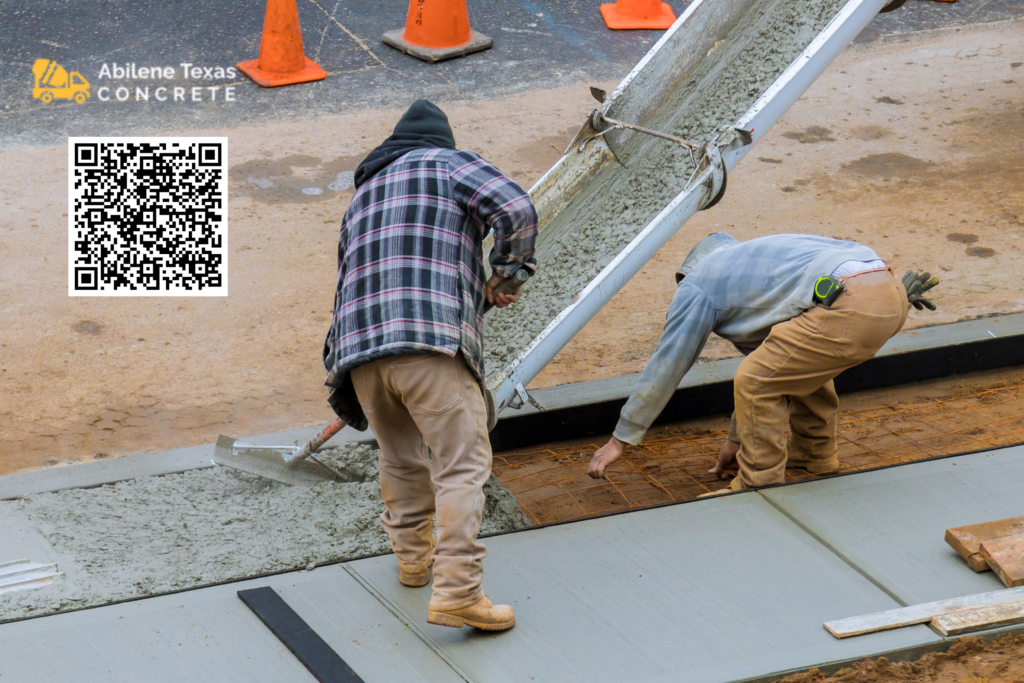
(147, 217)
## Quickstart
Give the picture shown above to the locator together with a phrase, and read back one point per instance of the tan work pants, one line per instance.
(431, 401)
(799, 360)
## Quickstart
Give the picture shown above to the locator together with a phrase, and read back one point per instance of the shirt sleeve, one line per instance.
(330, 343)
(499, 204)
(689, 323)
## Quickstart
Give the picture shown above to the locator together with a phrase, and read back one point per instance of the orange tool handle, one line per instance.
(320, 439)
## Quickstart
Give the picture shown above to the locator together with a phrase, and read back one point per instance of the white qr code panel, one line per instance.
(147, 217)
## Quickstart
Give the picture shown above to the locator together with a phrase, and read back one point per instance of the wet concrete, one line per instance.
(605, 217)
(159, 534)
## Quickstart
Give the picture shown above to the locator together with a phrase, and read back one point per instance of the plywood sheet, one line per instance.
(210, 635)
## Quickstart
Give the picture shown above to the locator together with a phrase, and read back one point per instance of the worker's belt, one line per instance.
(826, 290)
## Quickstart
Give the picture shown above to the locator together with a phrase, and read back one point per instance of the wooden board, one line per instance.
(1006, 557)
(979, 619)
(918, 614)
(966, 540)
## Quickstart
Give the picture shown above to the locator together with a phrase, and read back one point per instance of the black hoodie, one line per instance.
(422, 125)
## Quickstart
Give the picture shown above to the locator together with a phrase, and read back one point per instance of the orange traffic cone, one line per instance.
(626, 14)
(436, 30)
(282, 61)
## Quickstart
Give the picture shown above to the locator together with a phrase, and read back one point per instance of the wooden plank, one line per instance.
(979, 619)
(978, 563)
(1006, 557)
(308, 647)
(966, 540)
(918, 614)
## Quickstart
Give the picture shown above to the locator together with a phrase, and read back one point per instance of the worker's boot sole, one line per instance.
(442, 619)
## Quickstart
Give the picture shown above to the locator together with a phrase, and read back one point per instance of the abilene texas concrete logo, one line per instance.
(53, 82)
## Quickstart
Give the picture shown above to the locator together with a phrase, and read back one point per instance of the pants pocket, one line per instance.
(429, 385)
(865, 334)
(361, 387)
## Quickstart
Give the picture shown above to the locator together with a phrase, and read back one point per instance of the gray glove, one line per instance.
(916, 285)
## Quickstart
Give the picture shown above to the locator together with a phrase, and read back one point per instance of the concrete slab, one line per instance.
(97, 473)
(890, 523)
(20, 539)
(210, 635)
(655, 595)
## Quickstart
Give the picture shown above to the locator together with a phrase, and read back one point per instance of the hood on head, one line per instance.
(707, 245)
(422, 125)
(425, 122)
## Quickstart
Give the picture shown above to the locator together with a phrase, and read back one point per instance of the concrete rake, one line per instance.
(292, 465)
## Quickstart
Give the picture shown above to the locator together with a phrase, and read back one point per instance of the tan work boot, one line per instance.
(414, 577)
(481, 614)
(417, 575)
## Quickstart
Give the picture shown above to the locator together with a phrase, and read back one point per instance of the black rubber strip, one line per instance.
(308, 647)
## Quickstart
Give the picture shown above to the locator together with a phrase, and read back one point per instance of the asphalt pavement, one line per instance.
(538, 43)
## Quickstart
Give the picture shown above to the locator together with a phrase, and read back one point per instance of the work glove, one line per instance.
(916, 285)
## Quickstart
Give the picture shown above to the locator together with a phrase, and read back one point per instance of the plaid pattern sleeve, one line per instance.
(501, 205)
(410, 261)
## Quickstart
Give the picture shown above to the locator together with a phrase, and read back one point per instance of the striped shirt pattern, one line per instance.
(410, 259)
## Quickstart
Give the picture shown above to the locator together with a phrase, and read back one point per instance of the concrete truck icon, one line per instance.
(53, 81)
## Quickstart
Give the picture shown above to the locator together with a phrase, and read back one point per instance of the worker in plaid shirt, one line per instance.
(404, 352)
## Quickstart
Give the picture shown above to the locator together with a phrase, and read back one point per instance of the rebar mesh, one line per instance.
(552, 484)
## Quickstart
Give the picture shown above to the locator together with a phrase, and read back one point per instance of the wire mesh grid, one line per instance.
(552, 484)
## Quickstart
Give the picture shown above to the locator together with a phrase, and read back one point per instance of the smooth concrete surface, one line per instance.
(891, 523)
(210, 635)
(715, 590)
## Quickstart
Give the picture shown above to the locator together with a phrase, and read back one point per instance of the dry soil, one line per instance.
(969, 660)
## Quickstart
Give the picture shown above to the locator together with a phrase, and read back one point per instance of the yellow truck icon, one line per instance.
(53, 80)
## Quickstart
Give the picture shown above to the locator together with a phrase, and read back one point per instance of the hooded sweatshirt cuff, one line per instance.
(629, 432)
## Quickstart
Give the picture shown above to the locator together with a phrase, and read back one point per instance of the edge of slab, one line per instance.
(900, 655)
(587, 408)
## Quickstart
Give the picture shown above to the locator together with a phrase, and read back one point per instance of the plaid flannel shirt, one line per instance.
(410, 263)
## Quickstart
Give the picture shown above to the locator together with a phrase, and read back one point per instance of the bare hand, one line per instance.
(726, 458)
(605, 456)
(500, 300)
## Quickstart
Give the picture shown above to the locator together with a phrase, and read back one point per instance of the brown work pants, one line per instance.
(432, 401)
(796, 364)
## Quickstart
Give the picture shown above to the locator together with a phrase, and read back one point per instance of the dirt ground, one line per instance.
(969, 660)
(907, 145)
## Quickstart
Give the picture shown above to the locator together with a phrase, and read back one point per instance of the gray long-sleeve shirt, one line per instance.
(738, 290)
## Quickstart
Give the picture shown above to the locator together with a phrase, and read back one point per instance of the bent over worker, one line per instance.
(802, 309)
(404, 351)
